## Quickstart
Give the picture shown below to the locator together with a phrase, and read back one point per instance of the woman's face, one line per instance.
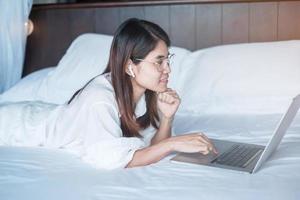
(152, 72)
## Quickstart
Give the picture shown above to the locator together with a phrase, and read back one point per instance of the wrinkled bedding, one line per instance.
(39, 173)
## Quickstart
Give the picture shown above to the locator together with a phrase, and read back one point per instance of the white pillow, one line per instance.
(86, 58)
(26, 89)
(242, 78)
(180, 54)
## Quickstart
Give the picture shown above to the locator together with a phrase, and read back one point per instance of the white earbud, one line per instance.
(131, 71)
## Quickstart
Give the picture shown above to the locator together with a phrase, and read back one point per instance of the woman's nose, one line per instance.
(167, 67)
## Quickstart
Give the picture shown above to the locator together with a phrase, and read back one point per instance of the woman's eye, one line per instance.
(159, 62)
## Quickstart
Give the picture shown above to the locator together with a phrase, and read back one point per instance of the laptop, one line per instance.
(243, 156)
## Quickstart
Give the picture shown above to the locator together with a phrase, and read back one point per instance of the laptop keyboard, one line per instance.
(238, 156)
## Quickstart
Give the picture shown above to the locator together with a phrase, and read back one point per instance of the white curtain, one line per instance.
(13, 33)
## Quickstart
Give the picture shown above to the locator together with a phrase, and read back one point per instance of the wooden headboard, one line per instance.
(192, 24)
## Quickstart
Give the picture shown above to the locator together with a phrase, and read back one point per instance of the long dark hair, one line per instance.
(134, 38)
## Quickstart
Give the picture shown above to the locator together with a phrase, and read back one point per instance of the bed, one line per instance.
(241, 92)
(36, 173)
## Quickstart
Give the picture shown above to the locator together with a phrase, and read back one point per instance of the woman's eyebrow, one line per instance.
(162, 56)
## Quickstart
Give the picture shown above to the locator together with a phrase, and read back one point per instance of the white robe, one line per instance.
(88, 127)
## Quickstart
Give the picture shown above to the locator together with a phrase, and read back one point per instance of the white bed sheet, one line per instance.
(37, 173)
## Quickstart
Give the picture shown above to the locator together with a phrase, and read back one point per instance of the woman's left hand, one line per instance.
(168, 103)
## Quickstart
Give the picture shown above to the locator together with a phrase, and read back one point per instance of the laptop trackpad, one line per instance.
(199, 158)
(196, 158)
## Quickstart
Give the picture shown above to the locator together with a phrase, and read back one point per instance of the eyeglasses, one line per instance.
(161, 63)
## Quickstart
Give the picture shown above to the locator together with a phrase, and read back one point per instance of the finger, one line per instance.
(169, 90)
(160, 96)
(213, 146)
(215, 150)
(204, 150)
(164, 97)
(206, 139)
(175, 95)
(168, 98)
(171, 99)
(208, 144)
(176, 100)
(201, 138)
(173, 92)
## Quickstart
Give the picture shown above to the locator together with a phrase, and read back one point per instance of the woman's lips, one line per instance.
(165, 80)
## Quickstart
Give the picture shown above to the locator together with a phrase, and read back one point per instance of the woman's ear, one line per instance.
(131, 73)
(129, 69)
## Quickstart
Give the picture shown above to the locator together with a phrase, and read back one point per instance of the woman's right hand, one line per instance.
(192, 143)
(189, 143)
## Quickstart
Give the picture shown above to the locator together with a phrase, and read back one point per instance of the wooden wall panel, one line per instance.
(59, 29)
(107, 20)
(235, 26)
(192, 26)
(208, 25)
(289, 20)
(263, 22)
(159, 15)
(81, 21)
(183, 26)
(129, 12)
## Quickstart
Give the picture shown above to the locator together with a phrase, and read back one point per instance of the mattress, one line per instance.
(39, 173)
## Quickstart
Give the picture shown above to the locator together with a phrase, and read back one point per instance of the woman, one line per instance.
(121, 118)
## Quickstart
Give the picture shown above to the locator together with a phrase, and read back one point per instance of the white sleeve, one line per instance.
(104, 146)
